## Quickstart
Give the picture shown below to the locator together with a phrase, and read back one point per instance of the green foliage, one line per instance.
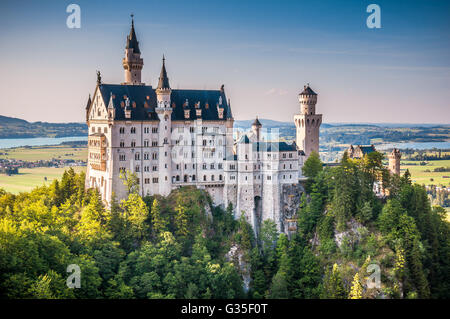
(312, 166)
(181, 246)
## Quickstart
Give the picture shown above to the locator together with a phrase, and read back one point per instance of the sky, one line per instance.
(264, 52)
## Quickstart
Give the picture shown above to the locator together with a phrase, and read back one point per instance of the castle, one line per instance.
(176, 137)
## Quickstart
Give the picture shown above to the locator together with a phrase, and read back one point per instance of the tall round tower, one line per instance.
(132, 62)
(308, 122)
(394, 161)
(164, 112)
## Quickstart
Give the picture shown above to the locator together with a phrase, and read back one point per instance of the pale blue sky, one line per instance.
(263, 51)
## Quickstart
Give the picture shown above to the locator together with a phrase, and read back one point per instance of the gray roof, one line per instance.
(144, 99)
(163, 79)
(308, 91)
(268, 146)
(132, 42)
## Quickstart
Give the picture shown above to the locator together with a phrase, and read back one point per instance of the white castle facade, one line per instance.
(173, 137)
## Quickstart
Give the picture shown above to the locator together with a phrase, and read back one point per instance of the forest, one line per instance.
(182, 246)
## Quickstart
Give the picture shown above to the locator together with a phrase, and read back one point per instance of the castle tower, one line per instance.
(164, 112)
(256, 129)
(132, 62)
(308, 122)
(394, 161)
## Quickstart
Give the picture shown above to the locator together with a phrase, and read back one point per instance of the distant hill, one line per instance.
(331, 134)
(11, 127)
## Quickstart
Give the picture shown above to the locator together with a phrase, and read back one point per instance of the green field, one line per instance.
(36, 153)
(418, 174)
(29, 178)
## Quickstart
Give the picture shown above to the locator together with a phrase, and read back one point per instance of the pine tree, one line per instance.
(333, 285)
(158, 223)
(356, 290)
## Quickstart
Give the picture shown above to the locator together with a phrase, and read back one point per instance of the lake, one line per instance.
(38, 141)
(414, 145)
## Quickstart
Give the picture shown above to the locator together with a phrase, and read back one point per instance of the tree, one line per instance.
(312, 166)
(279, 287)
(356, 289)
(333, 285)
(181, 219)
(130, 180)
(158, 223)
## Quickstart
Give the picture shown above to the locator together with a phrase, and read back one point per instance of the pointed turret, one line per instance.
(132, 42)
(163, 83)
(132, 62)
(88, 103)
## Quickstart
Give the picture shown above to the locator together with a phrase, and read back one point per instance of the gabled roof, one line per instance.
(143, 102)
(244, 139)
(366, 149)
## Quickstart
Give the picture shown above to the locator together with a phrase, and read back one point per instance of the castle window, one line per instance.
(193, 177)
(191, 129)
(290, 155)
(185, 178)
(177, 178)
(290, 166)
(145, 156)
(122, 130)
(122, 157)
(146, 168)
(269, 178)
(212, 177)
(204, 178)
(133, 143)
(155, 168)
(204, 166)
(147, 181)
(220, 165)
(155, 180)
(122, 143)
(204, 142)
(220, 177)
(133, 130)
(137, 168)
(154, 130)
(137, 156)
(212, 166)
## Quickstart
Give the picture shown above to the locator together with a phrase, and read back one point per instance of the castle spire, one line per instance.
(132, 62)
(132, 42)
(163, 83)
